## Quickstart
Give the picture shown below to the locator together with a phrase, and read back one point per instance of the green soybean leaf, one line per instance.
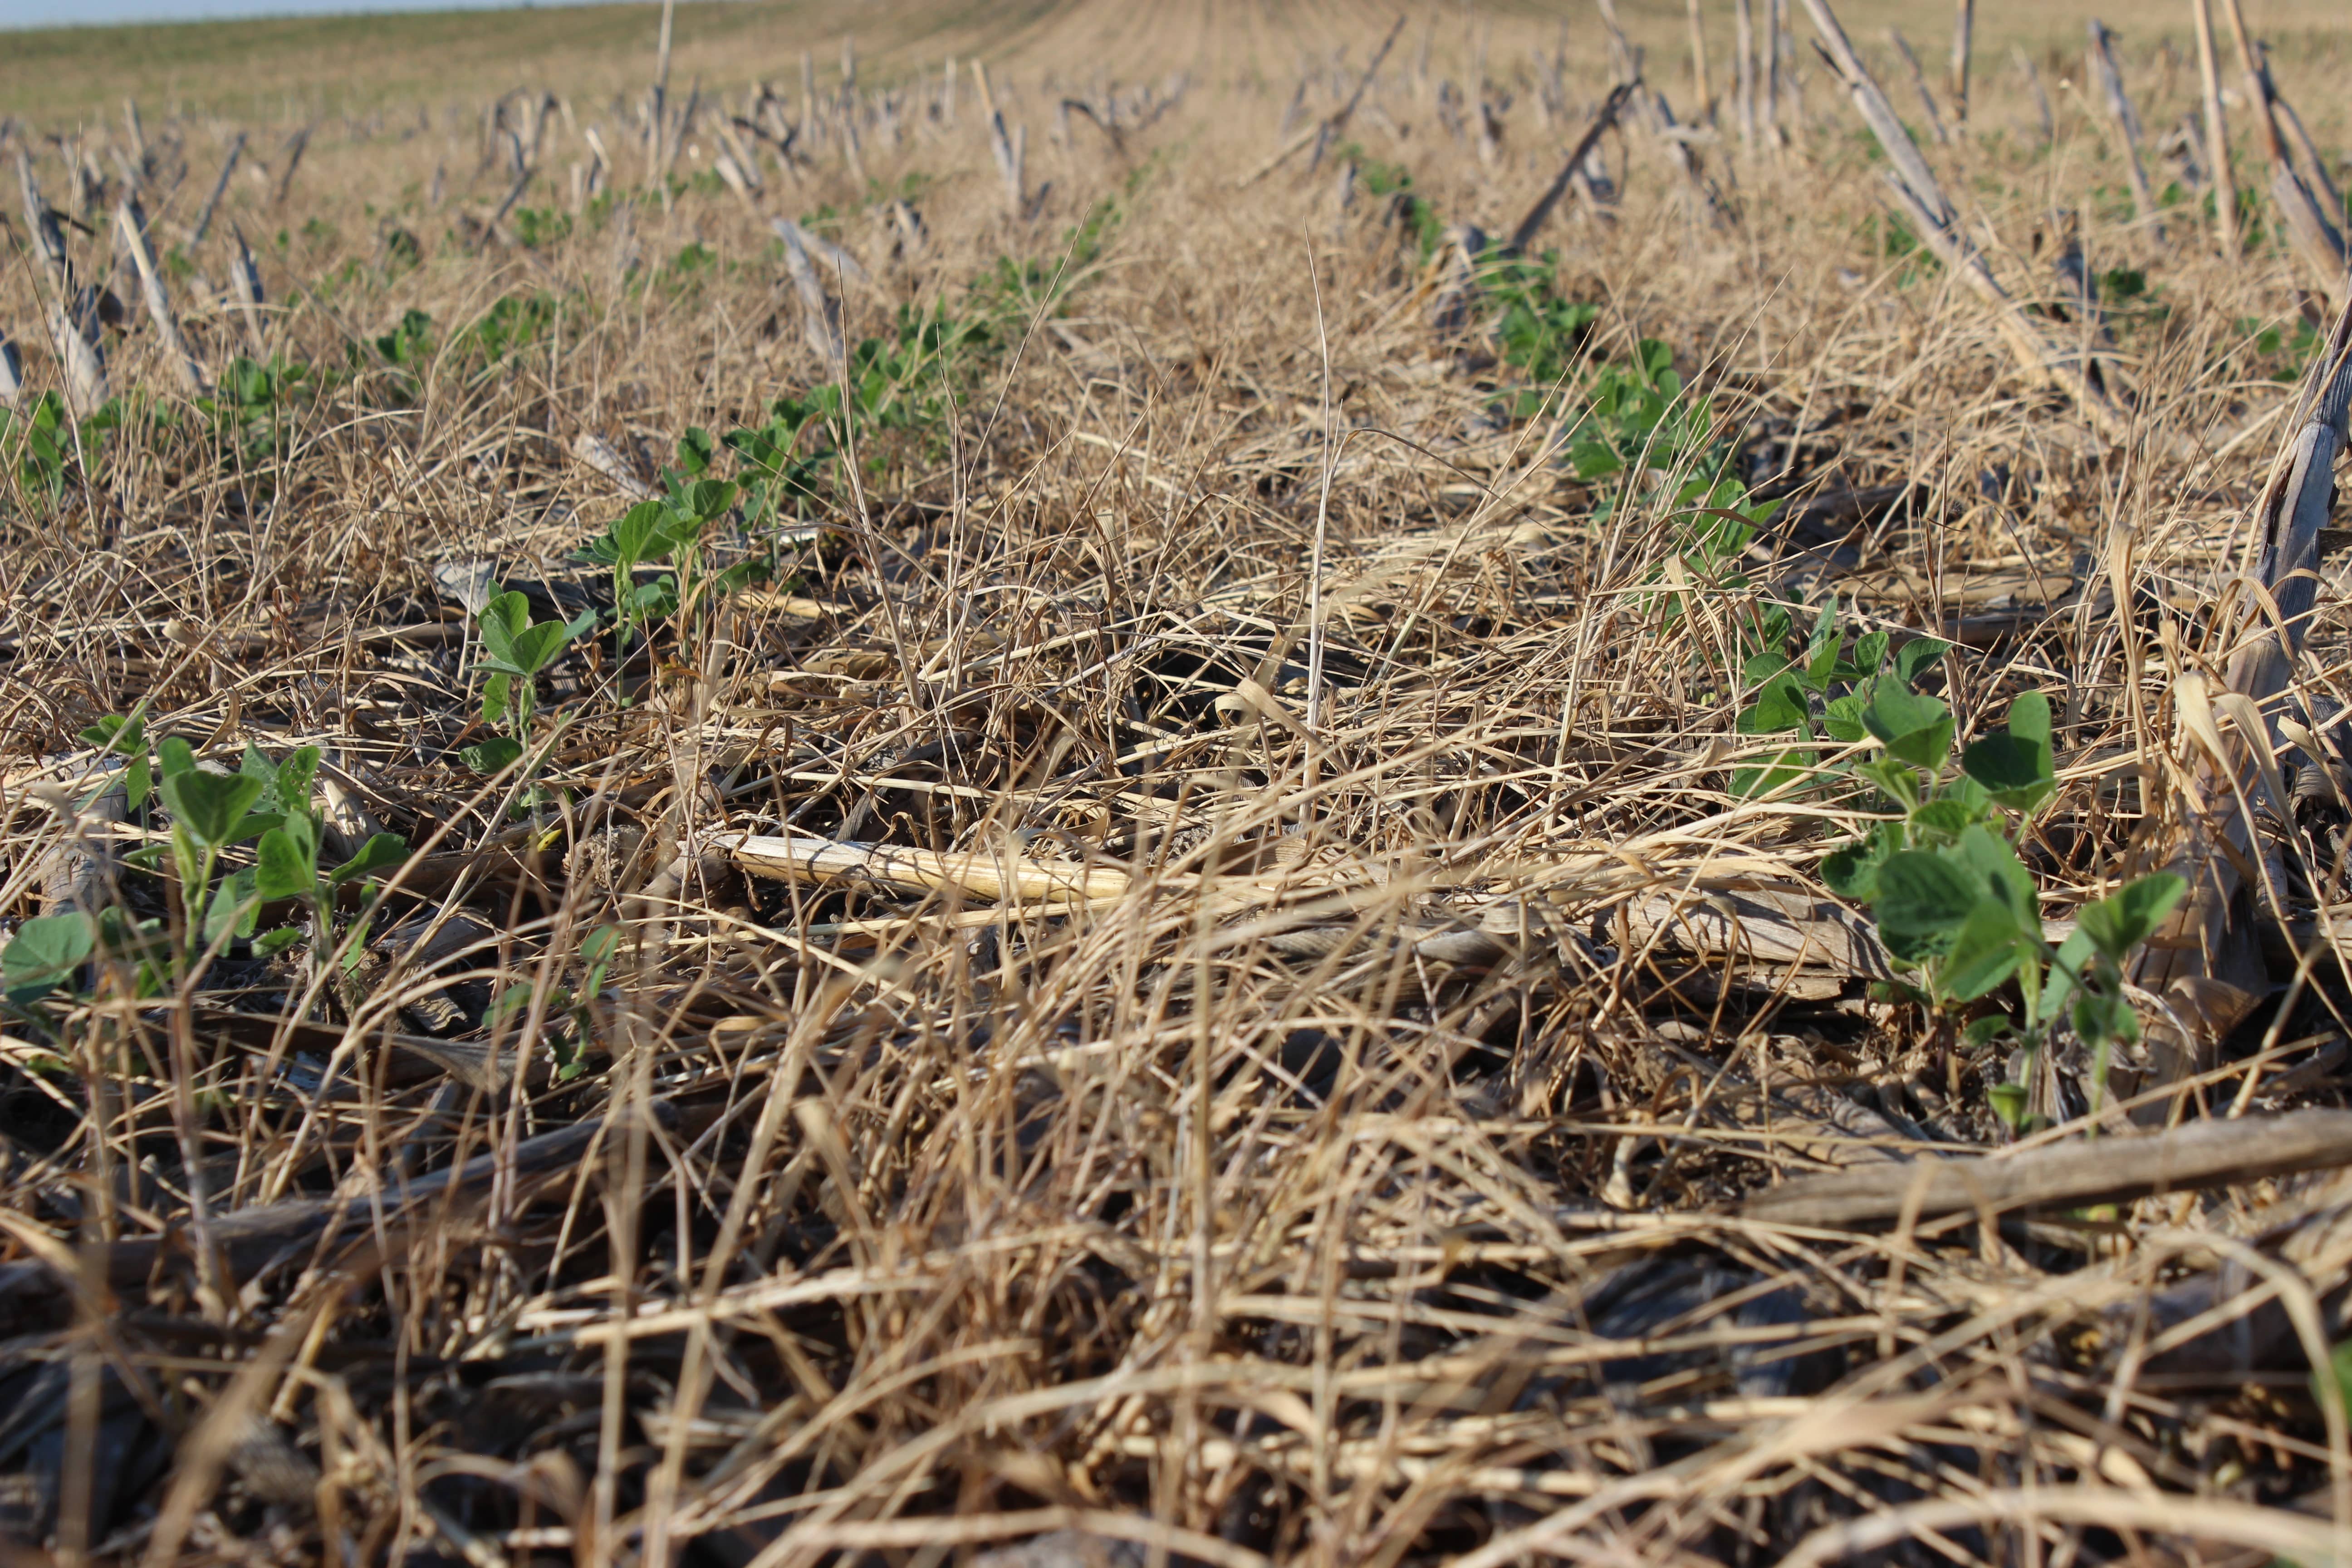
(1822, 650)
(1987, 856)
(2104, 1019)
(296, 775)
(2012, 774)
(1780, 705)
(596, 950)
(1870, 652)
(1984, 1031)
(1916, 657)
(2073, 955)
(535, 646)
(502, 620)
(209, 806)
(496, 692)
(2015, 766)
(1943, 819)
(709, 498)
(2029, 719)
(1898, 779)
(115, 733)
(1594, 460)
(2002, 763)
(1986, 950)
(1913, 729)
(232, 908)
(1783, 772)
(43, 954)
(2122, 921)
(492, 756)
(254, 824)
(1923, 899)
(1841, 719)
(599, 945)
(633, 535)
(271, 942)
(174, 756)
(281, 869)
(117, 736)
(2331, 1385)
(380, 853)
(1852, 872)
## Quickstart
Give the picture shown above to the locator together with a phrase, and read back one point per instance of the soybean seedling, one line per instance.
(596, 952)
(515, 649)
(1956, 905)
(670, 529)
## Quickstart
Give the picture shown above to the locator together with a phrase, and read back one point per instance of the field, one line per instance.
(1081, 786)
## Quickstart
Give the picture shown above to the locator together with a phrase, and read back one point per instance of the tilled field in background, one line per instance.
(1212, 785)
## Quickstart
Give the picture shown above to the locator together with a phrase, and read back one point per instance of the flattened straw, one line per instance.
(981, 876)
(602, 455)
(2066, 1175)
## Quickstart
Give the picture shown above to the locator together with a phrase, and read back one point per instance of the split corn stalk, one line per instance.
(132, 226)
(2200, 972)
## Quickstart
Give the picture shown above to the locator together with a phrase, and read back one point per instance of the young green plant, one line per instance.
(1817, 688)
(515, 650)
(1955, 904)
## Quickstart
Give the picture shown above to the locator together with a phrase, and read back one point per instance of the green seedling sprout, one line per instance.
(1955, 905)
(515, 650)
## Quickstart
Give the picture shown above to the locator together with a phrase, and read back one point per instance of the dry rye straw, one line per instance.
(1075, 824)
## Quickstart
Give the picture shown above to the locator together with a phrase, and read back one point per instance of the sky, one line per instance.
(64, 13)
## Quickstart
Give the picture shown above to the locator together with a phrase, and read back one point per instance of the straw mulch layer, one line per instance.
(1158, 941)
